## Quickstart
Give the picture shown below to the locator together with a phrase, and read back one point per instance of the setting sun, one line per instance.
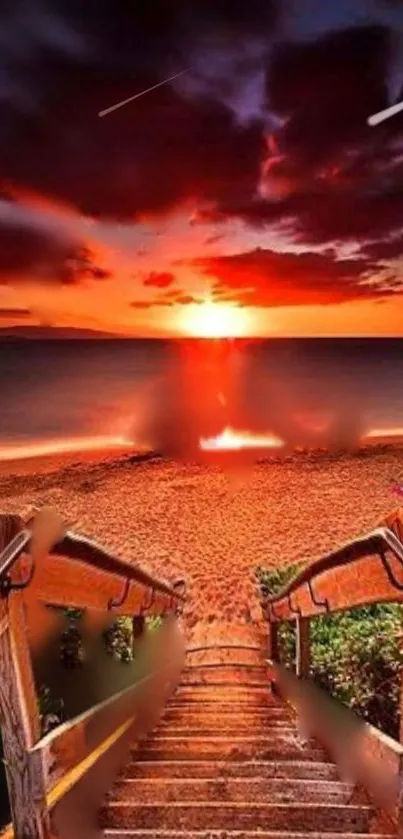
(214, 320)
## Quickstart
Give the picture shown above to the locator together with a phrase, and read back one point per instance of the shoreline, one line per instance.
(57, 461)
(213, 521)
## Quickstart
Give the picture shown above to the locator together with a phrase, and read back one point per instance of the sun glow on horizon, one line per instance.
(232, 440)
(215, 320)
(68, 445)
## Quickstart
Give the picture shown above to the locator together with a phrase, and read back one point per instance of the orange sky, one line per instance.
(154, 282)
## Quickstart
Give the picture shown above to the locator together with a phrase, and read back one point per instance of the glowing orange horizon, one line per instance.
(228, 440)
(67, 445)
(231, 440)
(210, 319)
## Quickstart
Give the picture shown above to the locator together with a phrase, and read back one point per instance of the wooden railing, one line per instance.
(365, 571)
(41, 563)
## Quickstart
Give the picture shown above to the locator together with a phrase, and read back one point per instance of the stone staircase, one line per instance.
(226, 761)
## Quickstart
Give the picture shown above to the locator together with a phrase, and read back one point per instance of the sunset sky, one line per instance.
(248, 196)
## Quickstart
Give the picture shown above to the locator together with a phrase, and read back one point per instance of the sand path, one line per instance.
(194, 521)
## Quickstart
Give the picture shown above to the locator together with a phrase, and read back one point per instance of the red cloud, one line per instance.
(268, 278)
(159, 279)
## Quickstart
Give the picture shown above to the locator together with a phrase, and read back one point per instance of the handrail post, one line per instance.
(400, 642)
(138, 624)
(273, 645)
(20, 724)
(303, 650)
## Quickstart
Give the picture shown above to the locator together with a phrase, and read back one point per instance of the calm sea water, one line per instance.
(56, 390)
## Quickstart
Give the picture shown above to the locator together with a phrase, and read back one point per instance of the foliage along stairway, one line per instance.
(227, 760)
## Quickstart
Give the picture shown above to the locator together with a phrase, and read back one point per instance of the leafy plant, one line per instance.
(355, 655)
(119, 639)
(51, 710)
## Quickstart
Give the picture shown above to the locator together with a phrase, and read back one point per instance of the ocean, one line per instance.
(173, 393)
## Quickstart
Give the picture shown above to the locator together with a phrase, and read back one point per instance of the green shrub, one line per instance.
(119, 639)
(355, 655)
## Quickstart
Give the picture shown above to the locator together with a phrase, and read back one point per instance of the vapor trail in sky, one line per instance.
(109, 110)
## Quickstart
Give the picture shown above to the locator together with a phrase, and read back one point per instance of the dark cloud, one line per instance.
(17, 314)
(169, 298)
(41, 255)
(266, 278)
(326, 175)
(269, 127)
(384, 250)
(145, 159)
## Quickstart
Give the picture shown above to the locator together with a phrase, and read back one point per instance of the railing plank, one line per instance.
(79, 574)
(360, 583)
(362, 753)
(79, 740)
(25, 780)
(67, 582)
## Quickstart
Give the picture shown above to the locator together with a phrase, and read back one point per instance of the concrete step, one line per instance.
(278, 737)
(212, 710)
(222, 722)
(236, 674)
(234, 834)
(223, 682)
(217, 748)
(209, 815)
(253, 695)
(228, 709)
(287, 769)
(158, 790)
(234, 654)
(256, 728)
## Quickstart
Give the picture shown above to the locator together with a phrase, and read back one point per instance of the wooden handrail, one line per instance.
(79, 547)
(75, 746)
(66, 570)
(373, 579)
(362, 753)
(367, 570)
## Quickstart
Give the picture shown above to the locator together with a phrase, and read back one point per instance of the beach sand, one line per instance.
(208, 525)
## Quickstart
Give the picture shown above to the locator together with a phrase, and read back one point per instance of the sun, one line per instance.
(214, 320)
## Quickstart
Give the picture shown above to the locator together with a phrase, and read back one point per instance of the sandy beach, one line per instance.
(212, 526)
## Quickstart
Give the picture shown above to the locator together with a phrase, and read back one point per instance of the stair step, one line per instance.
(152, 790)
(223, 722)
(315, 770)
(247, 749)
(267, 739)
(287, 737)
(226, 673)
(223, 816)
(234, 834)
(221, 681)
(245, 709)
(238, 655)
(254, 695)
(262, 729)
(231, 714)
